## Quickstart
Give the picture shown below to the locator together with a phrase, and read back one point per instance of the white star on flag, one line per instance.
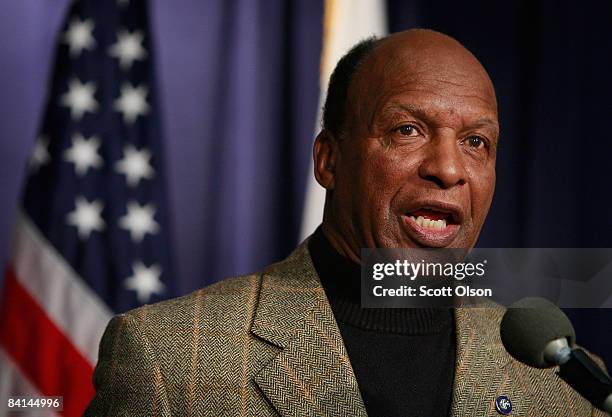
(83, 154)
(87, 217)
(40, 155)
(135, 165)
(80, 98)
(79, 36)
(139, 220)
(145, 281)
(128, 48)
(132, 102)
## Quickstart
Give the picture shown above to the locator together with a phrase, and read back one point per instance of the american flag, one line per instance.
(92, 235)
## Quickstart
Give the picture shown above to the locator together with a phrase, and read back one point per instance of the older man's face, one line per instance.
(417, 165)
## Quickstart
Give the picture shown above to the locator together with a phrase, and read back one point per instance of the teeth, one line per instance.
(431, 224)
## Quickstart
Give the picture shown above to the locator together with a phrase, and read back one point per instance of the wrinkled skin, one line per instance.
(421, 127)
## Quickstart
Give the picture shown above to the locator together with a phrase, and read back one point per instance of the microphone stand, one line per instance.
(584, 375)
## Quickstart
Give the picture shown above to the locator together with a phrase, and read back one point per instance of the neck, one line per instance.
(340, 243)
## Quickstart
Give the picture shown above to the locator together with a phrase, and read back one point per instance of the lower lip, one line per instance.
(425, 236)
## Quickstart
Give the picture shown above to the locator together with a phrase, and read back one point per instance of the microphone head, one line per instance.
(529, 325)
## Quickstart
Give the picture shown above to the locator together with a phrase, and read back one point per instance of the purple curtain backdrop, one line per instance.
(27, 34)
(239, 86)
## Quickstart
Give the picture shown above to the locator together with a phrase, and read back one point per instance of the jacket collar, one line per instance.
(311, 374)
(289, 291)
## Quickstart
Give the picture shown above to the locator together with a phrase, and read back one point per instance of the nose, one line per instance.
(443, 163)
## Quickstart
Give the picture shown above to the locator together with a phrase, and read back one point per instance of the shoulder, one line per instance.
(201, 334)
(223, 303)
(170, 353)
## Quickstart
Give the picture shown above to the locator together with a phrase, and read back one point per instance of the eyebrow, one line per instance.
(419, 112)
(410, 108)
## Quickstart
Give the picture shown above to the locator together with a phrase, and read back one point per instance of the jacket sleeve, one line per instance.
(127, 378)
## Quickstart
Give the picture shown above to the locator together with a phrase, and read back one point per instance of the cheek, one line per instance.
(483, 186)
(384, 171)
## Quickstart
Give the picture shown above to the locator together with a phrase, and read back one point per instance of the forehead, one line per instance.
(441, 83)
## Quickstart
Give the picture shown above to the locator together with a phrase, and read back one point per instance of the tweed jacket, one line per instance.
(267, 344)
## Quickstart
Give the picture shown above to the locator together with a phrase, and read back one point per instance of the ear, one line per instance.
(325, 154)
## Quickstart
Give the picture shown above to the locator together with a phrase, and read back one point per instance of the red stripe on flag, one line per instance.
(41, 350)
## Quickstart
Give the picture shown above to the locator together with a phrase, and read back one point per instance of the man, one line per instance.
(407, 156)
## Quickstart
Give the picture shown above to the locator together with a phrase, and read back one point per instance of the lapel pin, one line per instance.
(503, 405)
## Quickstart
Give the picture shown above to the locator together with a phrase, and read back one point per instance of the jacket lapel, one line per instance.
(484, 371)
(311, 375)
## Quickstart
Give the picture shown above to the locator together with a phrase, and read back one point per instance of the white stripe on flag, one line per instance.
(14, 383)
(52, 282)
(346, 23)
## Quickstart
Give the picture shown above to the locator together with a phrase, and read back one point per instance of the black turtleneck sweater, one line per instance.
(403, 359)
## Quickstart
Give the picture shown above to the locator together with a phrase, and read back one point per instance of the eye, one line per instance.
(407, 130)
(475, 142)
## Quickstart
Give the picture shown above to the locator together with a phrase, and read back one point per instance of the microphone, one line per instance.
(537, 333)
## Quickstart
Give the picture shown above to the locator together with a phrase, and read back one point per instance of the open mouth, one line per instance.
(433, 225)
(431, 218)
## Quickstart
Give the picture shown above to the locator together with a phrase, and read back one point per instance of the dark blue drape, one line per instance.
(550, 62)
